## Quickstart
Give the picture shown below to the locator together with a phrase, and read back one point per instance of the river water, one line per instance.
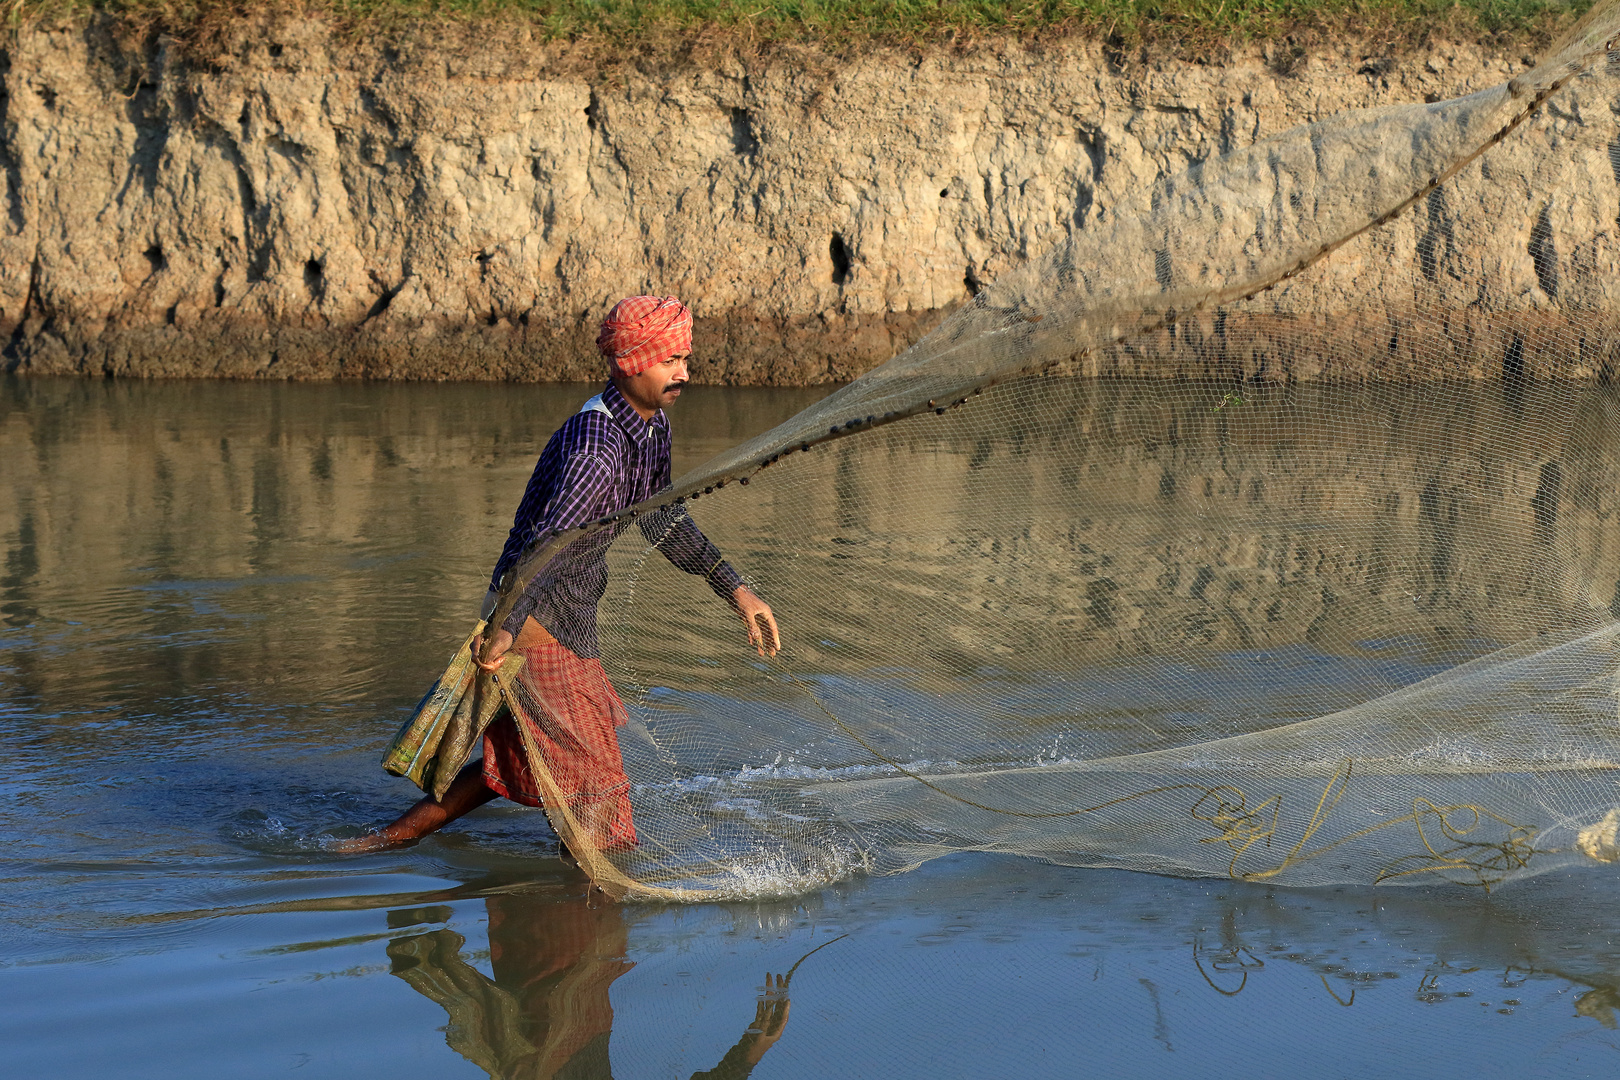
(218, 601)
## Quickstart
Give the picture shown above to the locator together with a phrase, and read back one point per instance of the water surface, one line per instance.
(217, 602)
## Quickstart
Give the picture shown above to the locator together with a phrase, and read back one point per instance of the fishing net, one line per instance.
(1336, 602)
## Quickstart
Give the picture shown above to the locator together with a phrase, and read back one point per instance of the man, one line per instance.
(614, 452)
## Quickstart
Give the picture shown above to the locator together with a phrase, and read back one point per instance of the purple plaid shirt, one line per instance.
(603, 459)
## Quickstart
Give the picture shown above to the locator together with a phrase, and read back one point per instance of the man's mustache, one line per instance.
(674, 386)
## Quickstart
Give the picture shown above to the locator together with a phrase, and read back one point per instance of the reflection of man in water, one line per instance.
(611, 454)
(547, 1012)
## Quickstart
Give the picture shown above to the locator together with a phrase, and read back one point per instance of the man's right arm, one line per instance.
(676, 535)
(684, 545)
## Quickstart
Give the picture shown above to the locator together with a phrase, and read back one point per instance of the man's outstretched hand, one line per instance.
(756, 615)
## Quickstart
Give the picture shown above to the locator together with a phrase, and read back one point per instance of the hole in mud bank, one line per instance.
(840, 259)
(154, 257)
(168, 316)
(276, 51)
(744, 141)
(314, 273)
(971, 282)
(1544, 505)
(383, 301)
(1161, 269)
(1543, 255)
(1514, 376)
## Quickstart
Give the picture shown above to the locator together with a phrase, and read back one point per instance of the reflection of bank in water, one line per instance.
(547, 1011)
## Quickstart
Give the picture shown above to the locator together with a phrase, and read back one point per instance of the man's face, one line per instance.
(658, 386)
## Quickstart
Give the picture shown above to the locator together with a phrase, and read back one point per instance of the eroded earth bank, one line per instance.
(464, 204)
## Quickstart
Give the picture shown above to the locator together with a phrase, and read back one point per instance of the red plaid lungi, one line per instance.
(570, 710)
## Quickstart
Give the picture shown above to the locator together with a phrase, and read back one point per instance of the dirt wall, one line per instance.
(316, 206)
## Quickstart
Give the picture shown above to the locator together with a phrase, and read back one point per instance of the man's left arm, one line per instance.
(684, 545)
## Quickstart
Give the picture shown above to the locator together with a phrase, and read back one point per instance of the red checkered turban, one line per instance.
(642, 331)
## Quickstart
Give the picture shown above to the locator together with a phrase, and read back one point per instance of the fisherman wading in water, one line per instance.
(611, 454)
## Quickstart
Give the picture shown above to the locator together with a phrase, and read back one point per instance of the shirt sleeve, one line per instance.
(684, 545)
(582, 495)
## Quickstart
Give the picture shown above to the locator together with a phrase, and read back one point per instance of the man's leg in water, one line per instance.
(467, 792)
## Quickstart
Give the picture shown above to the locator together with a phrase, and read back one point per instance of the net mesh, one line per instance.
(1308, 613)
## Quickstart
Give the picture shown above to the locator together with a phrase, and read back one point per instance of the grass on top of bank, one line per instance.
(1194, 23)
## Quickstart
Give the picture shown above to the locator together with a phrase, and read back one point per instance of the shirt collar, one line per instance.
(630, 420)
